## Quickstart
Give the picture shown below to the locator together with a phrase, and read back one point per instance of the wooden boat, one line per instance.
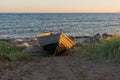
(55, 43)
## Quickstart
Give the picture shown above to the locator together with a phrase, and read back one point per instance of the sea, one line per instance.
(20, 25)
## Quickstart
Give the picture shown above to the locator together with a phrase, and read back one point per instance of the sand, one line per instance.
(59, 68)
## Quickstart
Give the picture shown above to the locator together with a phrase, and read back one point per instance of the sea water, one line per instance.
(19, 25)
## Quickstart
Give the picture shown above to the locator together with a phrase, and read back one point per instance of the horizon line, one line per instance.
(59, 12)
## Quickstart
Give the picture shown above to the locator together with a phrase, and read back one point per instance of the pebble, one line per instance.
(26, 45)
(17, 40)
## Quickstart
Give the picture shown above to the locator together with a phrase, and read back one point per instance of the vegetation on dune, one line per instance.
(12, 53)
(107, 50)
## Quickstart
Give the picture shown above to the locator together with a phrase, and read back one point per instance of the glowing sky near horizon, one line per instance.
(59, 6)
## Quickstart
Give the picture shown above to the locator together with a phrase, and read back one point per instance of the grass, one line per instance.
(12, 53)
(106, 50)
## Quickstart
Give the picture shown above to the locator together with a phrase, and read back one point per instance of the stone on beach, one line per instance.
(17, 41)
(34, 40)
(26, 45)
(98, 37)
(105, 35)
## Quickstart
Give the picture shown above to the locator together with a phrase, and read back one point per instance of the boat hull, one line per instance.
(55, 43)
(50, 47)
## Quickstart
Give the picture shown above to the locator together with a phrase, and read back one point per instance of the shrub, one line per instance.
(12, 53)
(106, 50)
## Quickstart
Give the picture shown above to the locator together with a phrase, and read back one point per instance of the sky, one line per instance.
(60, 6)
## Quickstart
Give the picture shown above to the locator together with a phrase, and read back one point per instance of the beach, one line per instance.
(59, 68)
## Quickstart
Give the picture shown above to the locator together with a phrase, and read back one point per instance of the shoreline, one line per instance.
(32, 46)
(74, 38)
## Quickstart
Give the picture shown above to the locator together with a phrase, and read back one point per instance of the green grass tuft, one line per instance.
(12, 53)
(106, 50)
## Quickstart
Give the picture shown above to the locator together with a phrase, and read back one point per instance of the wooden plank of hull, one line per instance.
(45, 34)
(65, 43)
(46, 40)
